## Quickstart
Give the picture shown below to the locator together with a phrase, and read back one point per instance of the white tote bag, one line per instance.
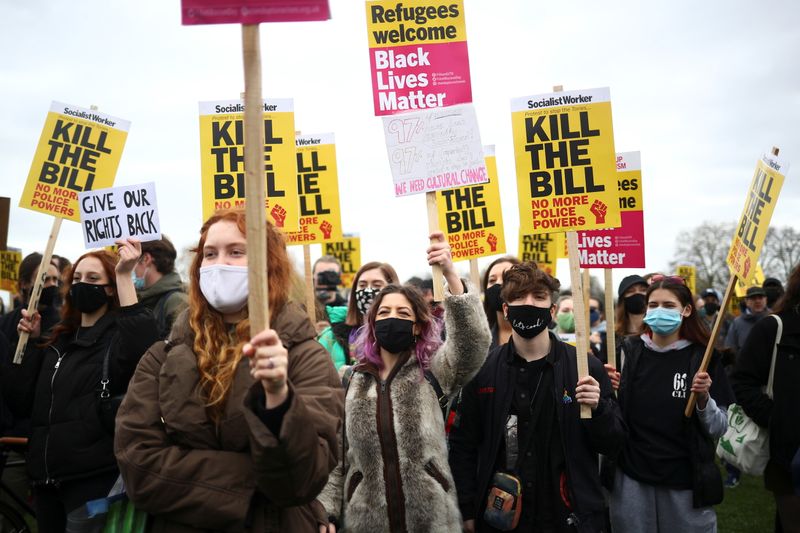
(745, 444)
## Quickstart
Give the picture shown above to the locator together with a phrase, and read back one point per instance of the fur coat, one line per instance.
(395, 475)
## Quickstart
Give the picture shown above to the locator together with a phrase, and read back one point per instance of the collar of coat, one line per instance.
(552, 356)
(91, 335)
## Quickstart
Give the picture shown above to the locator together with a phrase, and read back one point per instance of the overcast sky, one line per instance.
(700, 88)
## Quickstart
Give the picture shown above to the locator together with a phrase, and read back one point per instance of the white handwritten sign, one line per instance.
(434, 149)
(118, 213)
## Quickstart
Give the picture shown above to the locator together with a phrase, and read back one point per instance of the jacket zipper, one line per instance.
(391, 461)
(49, 481)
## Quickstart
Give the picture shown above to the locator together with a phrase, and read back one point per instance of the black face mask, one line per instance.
(395, 335)
(88, 297)
(493, 300)
(711, 308)
(528, 320)
(635, 304)
(48, 296)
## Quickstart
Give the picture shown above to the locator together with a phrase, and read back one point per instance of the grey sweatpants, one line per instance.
(641, 508)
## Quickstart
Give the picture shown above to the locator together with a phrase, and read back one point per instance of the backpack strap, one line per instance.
(161, 317)
(105, 391)
(778, 335)
(444, 400)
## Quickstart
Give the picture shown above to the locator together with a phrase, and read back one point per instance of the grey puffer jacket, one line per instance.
(395, 475)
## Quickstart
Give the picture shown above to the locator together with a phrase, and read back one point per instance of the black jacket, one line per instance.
(781, 414)
(57, 386)
(485, 404)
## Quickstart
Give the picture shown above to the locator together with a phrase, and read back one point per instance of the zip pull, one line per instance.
(383, 387)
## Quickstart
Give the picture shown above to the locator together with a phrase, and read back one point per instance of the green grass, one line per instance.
(749, 508)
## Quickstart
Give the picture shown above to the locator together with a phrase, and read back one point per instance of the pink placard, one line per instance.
(420, 76)
(252, 11)
(621, 247)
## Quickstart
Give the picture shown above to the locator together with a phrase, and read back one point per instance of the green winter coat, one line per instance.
(166, 298)
(328, 340)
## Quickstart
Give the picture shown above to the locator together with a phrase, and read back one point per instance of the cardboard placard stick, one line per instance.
(474, 274)
(311, 300)
(5, 208)
(611, 335)
(578, 307)
(579, 311)
(711, 341)
(33, 303)
(433, 225)
(255, 184)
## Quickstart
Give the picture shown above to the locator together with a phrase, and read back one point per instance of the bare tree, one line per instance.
(781, 252)
(706, 247)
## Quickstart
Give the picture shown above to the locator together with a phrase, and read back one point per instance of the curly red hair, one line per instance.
(218, 349)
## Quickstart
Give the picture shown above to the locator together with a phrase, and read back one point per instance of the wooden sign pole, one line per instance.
(311, 300)
(474, 274)
(5, 209)
(578, 308)
(579, 311)
(611, 335)
(714, 333)
(255, 183)
(433, 225)
(33, 303)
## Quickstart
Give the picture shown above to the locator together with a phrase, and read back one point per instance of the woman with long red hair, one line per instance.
(225, 432)
(67, 385)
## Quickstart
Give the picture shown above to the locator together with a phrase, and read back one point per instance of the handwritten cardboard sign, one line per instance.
(434, 149)
(118, 213)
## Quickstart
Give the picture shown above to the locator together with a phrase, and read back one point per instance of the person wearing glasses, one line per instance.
(666, 475)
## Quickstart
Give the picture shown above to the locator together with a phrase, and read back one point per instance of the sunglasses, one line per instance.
(669, 279)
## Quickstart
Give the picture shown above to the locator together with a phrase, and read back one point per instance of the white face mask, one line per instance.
(225, 287)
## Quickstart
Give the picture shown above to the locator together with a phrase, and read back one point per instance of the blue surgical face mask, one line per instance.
(138, 283)
(663, 321)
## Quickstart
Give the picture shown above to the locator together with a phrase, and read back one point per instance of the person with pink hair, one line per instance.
(394, 475)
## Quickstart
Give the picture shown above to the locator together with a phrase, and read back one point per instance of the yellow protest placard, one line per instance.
(317, 190)
(756, 280)
(222, 159)
(79, 150)
(472, 217)
(754, 222)
(348, 252)
(689, 274)
(9, 270)
(565, 161)
(543, 249)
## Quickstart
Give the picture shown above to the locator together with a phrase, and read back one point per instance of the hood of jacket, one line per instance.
(168, 282)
